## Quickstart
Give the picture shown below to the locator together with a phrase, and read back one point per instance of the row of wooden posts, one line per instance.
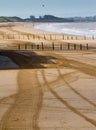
(52, 46)
(45, 37)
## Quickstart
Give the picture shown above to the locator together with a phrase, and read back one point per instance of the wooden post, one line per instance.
(50, 37)
(3, 36)
(80, 46)
(53, 45)
(33, 36)
(71, 37)
(84, 37)
(63, 37)
(67, 37)
(38, 37)
(8, 36)
(68, 46)
(74, 46)
(44, 37)
(42, 46)
(93, 37)
(23, 36)
(87, 46)
(32, 46)
(60, 46)
(13, 36)
(19, 36)
(25, 46)
(55, 36)
(18, 46)
(37, 47)
(28, 37)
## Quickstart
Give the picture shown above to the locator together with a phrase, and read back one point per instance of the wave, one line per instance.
(81, 29)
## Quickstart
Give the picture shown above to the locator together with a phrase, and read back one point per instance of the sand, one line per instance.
(55, 93)
(8, 90)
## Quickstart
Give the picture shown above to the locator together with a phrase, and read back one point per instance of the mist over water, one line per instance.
(82, 29)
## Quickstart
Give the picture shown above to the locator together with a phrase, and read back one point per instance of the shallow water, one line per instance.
(82, 29)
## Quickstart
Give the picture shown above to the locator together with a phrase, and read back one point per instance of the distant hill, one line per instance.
(48, 18)
(10, 19)
(51, 18)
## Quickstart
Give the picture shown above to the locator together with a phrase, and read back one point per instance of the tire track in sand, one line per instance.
(63, 101)
(23, 115)
(74, 90)
(64, 61)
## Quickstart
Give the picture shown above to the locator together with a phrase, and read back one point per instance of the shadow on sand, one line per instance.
(26, 59)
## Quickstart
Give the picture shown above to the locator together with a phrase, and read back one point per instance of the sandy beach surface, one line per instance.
(46, 90)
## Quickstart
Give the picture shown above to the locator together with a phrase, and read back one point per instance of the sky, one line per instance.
(61, 8)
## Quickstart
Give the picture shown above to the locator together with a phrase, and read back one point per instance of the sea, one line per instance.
(87, 29)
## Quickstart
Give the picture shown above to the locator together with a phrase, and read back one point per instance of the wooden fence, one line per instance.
(48, 47)
(43, 36)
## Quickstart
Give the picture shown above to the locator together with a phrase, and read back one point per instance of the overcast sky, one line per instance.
(62, 8)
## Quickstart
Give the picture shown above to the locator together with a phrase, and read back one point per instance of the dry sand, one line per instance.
(61, 96)
(8, 90)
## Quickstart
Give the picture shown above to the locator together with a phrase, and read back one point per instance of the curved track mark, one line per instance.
(75, 91)
(25, 111)
(93, 122)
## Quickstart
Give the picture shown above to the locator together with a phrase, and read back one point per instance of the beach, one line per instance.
(46, 90)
